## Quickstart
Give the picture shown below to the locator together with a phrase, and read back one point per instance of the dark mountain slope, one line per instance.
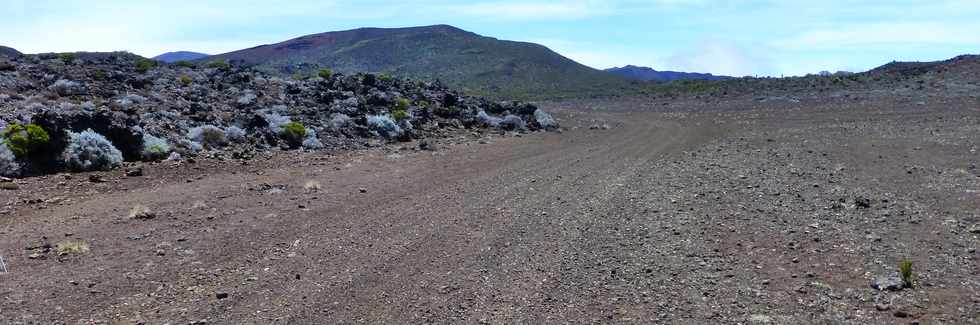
(8, 52)
(480, 65)
(180, 56)
(648, 74)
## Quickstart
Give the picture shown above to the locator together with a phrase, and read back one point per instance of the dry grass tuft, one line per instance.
(141, 212)
(73, 246)
(312, 186)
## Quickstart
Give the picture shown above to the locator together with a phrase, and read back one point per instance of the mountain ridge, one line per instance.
(478, 64)
(175, 56)
(649, 74)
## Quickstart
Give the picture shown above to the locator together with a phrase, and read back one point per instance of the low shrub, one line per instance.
(8, 162)
(276, 121)
(88, 151)
(72, 246)
(185, 64)
(384, 125)
(311, 141)
(512, 122)
(545, 120)
(294, 133)
(905, 269)
(219, 64)
(68, 58)
(208, 136)
(400, 112)
(154, 148)
(65, 87)
(144, 65)
(234, 134)
(23, 139)
(325, 73)
(186, 80)
(487, 120)
(339, 121)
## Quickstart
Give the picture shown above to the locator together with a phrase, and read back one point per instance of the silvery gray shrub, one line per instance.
(339, 121)
(545, 120)
(208, 135)
(511, 122)
(384, 125)
(487, 120)
(312, 141)
(234, 134)
(154, 148)
(8, 162)
(88, 150)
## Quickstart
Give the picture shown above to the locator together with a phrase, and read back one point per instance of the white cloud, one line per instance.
(600, 56)
(723, 58)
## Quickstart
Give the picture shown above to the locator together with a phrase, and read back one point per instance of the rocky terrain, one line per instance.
(150, 111)
(804, 202)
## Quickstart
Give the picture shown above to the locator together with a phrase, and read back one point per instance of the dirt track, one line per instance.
(722, 217)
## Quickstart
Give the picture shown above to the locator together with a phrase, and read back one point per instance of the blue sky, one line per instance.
(735, 37)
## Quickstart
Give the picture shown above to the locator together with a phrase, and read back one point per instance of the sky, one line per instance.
(734, 37)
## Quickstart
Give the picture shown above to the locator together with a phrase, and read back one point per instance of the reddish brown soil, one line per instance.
(742, 214)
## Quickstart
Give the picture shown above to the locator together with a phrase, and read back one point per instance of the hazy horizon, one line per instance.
(763, 38)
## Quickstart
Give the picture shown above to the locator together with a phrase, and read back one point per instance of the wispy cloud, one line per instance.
(863, 35)
(534, 10)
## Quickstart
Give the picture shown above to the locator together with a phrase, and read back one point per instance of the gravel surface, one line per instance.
(782, 212)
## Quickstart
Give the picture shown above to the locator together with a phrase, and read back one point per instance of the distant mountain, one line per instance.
(648, 74)
(9, 52)
(180, 56)
(477, 64)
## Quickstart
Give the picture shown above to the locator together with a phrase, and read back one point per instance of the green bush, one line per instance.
(218, 64)
(99, 74)
(384, 77)
(400, 112)
(293, 133)
(68, 57)
(144, 65)
(185, 80)
(905, 268)
(24, 139)
(185, 64)
(325, 73)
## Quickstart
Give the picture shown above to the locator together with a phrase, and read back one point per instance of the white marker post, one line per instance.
(3, 266)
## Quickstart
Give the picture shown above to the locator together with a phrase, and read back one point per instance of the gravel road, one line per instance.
(782, 214)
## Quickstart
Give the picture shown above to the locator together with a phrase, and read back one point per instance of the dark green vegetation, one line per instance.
(479, 65)
(24, 139)
(144, 65)
(905, 268)
(293, 133)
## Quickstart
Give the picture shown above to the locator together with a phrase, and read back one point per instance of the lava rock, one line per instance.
(888, 283)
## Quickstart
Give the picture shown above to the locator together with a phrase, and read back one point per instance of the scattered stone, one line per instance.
(888, 283)
(96, 178)
(135, 172)
(141, 212)
(862, 202)
(883, 307)
(975, 229)
(901, 314)
(362, 190)
(221, 295)
(425, 144)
